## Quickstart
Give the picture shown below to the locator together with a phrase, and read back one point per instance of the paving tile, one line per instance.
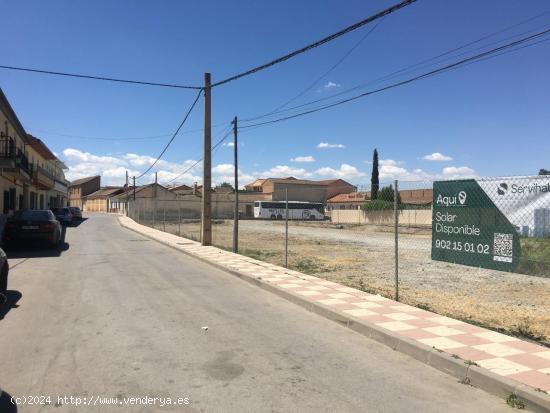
(288, 286)
(444, 321)
(469, 339)
(308, 293)
(359, 312)
(469, 353)
(401, 316)
(543, 354)
(502, 366)
(416, 334)
(442, 331)
(525, 346)
(331, 301)
(346, 289)
(530, 360)
(498, 349)
(422, 323)
(535, 379)
(442, 343)
(495, 337)
(366, 304)
(406, 309)
(340, 295)
(318, 288)
(395, 326)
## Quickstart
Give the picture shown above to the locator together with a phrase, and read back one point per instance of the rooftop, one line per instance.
(82, 181)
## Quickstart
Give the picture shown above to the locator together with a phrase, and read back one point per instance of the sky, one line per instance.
(486, 119)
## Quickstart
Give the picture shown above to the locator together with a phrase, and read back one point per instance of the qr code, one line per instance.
(503, 247)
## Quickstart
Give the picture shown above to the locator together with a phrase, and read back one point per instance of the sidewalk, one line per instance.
(508, 364)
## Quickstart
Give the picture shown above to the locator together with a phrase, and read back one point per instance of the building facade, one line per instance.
(98, 201)
(31, 176)
(299, 189)
(81, 188)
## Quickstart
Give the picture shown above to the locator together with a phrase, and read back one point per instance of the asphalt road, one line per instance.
(116, 314)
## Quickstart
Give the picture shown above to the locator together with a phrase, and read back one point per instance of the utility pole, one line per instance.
(236, 217)
(207, 166)
(155, 200)
(134, 189)
(396, 241)
(286, 227)
(127, 200)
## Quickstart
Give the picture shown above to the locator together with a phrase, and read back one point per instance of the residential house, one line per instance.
(147, 197)
(81, 188)
(417, 196)
(50, 188)
(98, 201)
(338, 186)
(297, 189)
(352, 200)
(31, 176)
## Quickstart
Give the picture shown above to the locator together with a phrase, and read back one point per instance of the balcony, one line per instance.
(13, 161)
(41, 178)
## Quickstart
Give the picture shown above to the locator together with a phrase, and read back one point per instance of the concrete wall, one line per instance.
(407, 217)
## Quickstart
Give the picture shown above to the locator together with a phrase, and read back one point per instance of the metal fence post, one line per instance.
(396, 231)
(286, 227)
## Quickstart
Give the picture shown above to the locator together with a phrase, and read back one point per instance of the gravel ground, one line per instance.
(363, 257)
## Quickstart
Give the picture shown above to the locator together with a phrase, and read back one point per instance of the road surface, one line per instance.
(118, 315)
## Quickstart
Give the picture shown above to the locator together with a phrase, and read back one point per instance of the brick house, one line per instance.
(81, 188)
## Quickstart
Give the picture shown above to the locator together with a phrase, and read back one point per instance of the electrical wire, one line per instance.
(102, 138)
(411, 68)
(318, 43)
(316, 81)
(175, 133)
(227, 133)
(92, 77)
(479, 57)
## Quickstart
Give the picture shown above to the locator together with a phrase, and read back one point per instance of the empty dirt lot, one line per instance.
(363, 257)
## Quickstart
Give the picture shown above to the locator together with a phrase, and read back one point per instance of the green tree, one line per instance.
(374, 180)
(544, 172)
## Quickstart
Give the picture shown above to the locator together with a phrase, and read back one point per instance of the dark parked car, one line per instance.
(63, 215)
(77, 213)
(4, 270)
(33, 225)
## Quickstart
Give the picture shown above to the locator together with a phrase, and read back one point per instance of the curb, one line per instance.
(500, 386)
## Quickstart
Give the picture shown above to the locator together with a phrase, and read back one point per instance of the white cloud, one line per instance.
(344, 172)
(437, 156)
(232, 144)
(303, 159)
(326, 145)
(113, 168)
(282, 171)
(331, 85)
(460, 172)
(226, 173)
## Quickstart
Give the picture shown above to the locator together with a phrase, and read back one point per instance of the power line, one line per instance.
(174, 135)
(227, 133)
(113, 139)
(318, 43)
(92, 77)
(411, 68)
(479, 57)
(316, 81)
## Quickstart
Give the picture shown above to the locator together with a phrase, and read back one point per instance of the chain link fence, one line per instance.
(476, 250)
